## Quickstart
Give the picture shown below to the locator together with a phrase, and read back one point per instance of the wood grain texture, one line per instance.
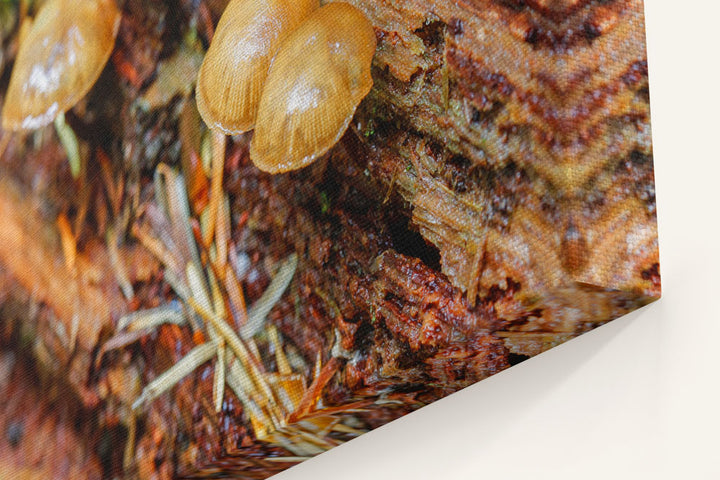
(529, 154)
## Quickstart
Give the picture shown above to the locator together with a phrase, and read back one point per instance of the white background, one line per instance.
(638, 398)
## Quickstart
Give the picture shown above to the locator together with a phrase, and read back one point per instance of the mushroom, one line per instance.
(317, 79)
(60, 58)
(233, 72)
(232, 75)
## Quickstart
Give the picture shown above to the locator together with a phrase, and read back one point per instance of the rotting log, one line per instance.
(519, 127)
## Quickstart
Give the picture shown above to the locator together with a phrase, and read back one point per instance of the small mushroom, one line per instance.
(233, 72)
(315, 83)
(59, 60)
(232, 75)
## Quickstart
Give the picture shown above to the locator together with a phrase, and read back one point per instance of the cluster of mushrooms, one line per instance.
(292, 70)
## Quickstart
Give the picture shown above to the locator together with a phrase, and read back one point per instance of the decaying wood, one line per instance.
(526, 119)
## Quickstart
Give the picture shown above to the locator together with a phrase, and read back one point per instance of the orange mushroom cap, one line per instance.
(315, 83)
(233, 72)
(59, 60)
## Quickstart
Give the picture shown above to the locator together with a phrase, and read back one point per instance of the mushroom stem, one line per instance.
(218, 165)
(24, 8)
(70, 144)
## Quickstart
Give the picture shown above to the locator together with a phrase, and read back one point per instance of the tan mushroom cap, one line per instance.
(232, 75)
(59, 61)
(318, 78)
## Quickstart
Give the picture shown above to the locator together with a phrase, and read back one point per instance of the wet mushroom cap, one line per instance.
(60, 59)
(317, 80)
(234, 70)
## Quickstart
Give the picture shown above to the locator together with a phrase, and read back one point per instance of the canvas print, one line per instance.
(236, 234)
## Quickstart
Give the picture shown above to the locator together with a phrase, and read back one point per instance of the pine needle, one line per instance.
(219, 385)
(196, 357)
(259, 311)
(283, 365)
(69, 141)
(238, 348)
(152, 317)
(216, 192)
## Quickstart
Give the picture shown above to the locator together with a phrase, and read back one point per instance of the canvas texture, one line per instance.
(225, 249)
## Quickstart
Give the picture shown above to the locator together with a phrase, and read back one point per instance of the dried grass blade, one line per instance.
(239, 381)
(318, 366)
(320, 426)
(222, 234)
(354, 407)
(180, 215)
(283, 365)
(259, 311)
(319, 442)
(218, 166)
(219, 385)
(150, 318)
(307, 444)
(70, 143)
(254, 352)
(217, 296)
(204, 224)
(287, 440)
(178, 285)
(196, 357)
(342, 428)
(171, 194)
(120, 340)
(198, 287)
(237, 298)
(162, 228)
(156, 247)
(199, 292)
(238, 348)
